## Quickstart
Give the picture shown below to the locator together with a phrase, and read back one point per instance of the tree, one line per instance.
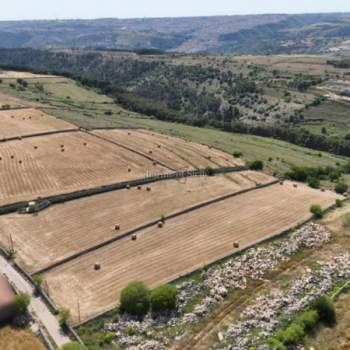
(63, 316)
(317, 211)
(163, 298)
(325, 308)
(38, 279)
(313, 182)
(72, 346)
(256, 165)
(134, 299)
(341, 187)
(21, 303)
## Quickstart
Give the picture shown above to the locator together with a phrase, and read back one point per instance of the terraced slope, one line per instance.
(176, 152)
(65, 229)
(22, 122)
(184, 244)
(60, 163)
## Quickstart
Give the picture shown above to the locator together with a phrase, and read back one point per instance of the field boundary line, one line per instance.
(39, 134)
(83, 193)
(148, 225)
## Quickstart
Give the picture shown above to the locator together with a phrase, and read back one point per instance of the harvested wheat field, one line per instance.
(175, 152)
(22, 122)
(22, 75)
(7, 100)
(182, 245)
(60, 163)
(43, 239)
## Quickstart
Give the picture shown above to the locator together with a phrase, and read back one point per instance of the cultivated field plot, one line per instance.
(175, 152)
(65, 229)
(22, 75)
(184, 244)
(7, 100)
(60, 163)
(29, 121)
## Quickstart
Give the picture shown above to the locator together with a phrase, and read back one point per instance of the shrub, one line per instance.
(313, 182)
(21, 303)
(308, 320)
(293, 335)
(63, 316)
(237, 154)
(38, 279)
(325, 309)
(346, 221)
(275, 344)
(256, 165)
(338, 203)
(134, 299)
(317, 211)
(209, 171)
(341, 187)
(163, 298)
(72, 346)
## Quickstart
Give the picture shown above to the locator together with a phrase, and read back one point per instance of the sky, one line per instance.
(66, 9)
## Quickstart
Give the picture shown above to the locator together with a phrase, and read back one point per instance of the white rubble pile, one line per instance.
(260, 320)
(253, 264)
(148, 345)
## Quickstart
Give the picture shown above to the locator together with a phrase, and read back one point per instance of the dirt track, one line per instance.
(184, 244)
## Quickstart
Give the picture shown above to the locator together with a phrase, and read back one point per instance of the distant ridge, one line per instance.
(269, 33)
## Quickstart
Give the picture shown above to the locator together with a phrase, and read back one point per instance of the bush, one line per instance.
(209, 171)
(237, 154)
(325, 309)
(21, 303)
(72, 346)
(293, 335)
(275, 344)
(308, 320)
(38, 279)
(317, 211)
(163, 298)
(341, 187)
(63, 316)
(256, 165)
(313, 182)
(338, 203)
(134, 299)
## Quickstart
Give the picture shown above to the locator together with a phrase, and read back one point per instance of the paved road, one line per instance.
(37, 305)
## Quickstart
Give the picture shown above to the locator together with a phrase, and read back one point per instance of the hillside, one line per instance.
(307, 33)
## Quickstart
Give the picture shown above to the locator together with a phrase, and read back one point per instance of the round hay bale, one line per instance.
(281, 183)
(62, 146)
(97, 266)
(148, 189)
(12, 157)
(117, 227)
(12, 116)
(0, 158)
(160, 224)
(159, 146)
(323, 190)
(139, 187)
(295, 185)
(62, 149)
(85, 143)
(155, 162)
(20, 162)
(128, 187)
(236, 245)
(150, 152)
(134, 237)
(129, 170)
(35, 147)
(129, 133)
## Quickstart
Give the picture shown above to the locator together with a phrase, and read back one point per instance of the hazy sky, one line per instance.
(51, 9)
